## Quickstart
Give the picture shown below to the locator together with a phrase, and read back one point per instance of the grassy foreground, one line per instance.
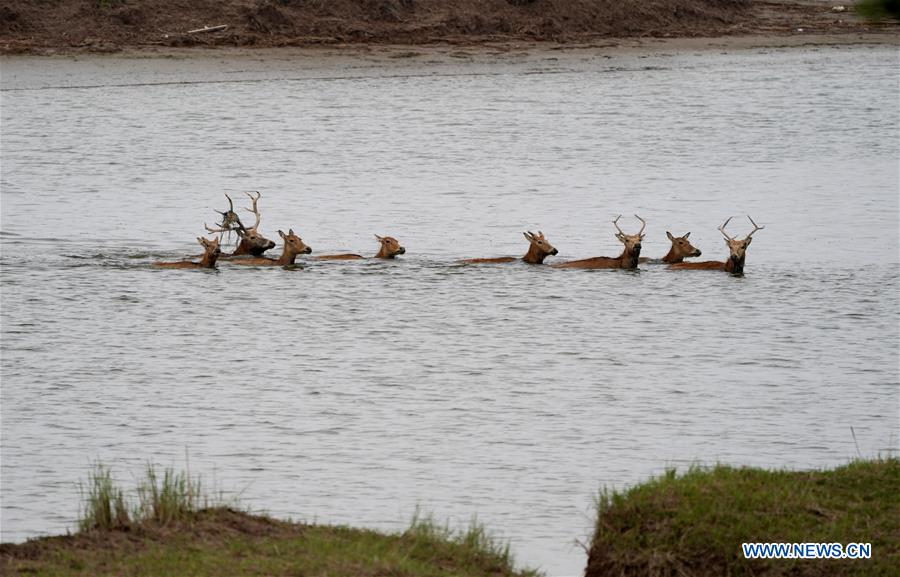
(173, 530)
(694, 524)
(222, 541)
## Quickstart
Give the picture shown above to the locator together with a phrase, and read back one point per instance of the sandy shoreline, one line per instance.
(447, 52)
(234, 28)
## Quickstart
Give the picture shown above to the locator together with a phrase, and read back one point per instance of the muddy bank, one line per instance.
(44, 26)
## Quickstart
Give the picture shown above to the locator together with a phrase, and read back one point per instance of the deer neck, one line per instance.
(672, 256)
(534, 255)
(383, 253)
(629, 258)
(287, 256)
(209, 260)
(734, 267)
(243, 247)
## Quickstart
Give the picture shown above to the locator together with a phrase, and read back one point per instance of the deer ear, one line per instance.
(528, 236)
(747, 240)
(379, 238)
(669, 234)
(201, 240)
(281, 233)
(290, 231)
(687, 234)
(620, 236)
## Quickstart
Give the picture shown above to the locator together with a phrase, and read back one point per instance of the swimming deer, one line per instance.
(207, 261)
(252, 243)
(628, 259)
(737, 248)
(538, 250)
(390, 248)
(293, 246)
(681, 249)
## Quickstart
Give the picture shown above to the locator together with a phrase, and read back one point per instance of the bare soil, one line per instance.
(49, 26)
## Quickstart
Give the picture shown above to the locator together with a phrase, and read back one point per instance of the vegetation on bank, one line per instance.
(879, 9)
(173, 528)
(691, 524)
(694, 524)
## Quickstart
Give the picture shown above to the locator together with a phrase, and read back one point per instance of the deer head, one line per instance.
(540, 248)
(737, 248)
(211, 251)
(681, 247)
(390, 247)
(632, 242)
(293, 245)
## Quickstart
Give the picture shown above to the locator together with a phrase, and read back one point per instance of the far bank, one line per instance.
(114, 25)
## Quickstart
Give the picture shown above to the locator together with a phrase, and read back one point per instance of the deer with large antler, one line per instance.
(681, 249)
(252, 243)
(539, 249)
(293, 246)
(737, 248)
(390, 248)
(627, 260)
(207, 261)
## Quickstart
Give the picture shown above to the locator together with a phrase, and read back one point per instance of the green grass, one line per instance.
(879, 9)
(102, 503)
(161, 499)
(172, 497)
(169, 530)
(694, 523)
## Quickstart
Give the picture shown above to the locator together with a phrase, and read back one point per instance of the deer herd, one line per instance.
(252, 245)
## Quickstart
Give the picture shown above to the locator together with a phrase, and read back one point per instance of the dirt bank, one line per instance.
(214, 542)
(44, 26)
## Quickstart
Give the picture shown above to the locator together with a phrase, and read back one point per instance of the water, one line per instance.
(351, 392)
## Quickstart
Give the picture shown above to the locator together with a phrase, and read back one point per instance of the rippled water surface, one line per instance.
(351, 392)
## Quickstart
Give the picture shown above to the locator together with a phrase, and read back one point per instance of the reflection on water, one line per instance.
(350, 392)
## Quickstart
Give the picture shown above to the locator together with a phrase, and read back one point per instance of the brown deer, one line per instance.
(390, 248)
(208, 260)
(681, 249)
(293, 246)
(538, 250)
(628, 259)
(252, 243)
(737, 248)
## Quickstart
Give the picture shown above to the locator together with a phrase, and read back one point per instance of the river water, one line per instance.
(353, 392)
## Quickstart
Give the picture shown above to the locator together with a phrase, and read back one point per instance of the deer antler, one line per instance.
(254, 210)
(643, 224)
(220, 229)
(616, 224)
(722, 228)
(230, 220)
(756, 227)
(230, 208)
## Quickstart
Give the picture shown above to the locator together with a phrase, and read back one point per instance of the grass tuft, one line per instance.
(171, 497)
(161, 499)
(475, 545)
(102, 503)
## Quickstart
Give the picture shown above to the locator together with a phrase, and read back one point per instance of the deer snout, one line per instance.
(696, 253)
(401, 250)
(269, 245)
(307, 250)
(554, 252)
